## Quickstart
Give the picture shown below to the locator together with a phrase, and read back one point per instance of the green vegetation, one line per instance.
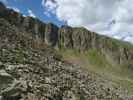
(118, 43)
(92, 60)
(19, 56)
(95, 58)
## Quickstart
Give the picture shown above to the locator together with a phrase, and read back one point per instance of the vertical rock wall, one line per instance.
(67, 37)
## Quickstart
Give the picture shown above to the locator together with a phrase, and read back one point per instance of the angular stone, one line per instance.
(4, 74)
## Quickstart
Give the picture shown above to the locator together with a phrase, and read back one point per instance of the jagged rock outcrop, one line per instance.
(29, 71)
(82, 40)
(67, 37)
(45, 32)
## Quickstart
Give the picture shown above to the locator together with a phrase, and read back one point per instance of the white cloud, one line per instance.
(49, 4)
(31, 13)
(49, 7)
(96, 15)
(14, 8)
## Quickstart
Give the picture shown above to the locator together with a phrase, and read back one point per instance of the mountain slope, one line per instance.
(31, 69)
(70, 38)
(34, 72)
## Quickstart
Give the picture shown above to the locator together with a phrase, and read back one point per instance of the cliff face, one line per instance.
(70, 38)
(39, 30)
(32, 70)
(28, 72)
(83, 40)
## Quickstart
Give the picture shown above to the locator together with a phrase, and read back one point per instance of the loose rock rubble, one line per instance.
(31, 72)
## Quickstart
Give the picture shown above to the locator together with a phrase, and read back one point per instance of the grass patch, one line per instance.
(92, 60)
(95, 58)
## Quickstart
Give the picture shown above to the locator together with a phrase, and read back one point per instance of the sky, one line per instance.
(32, 8)
(113, 18)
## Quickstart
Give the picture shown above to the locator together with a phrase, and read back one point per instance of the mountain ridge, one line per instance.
(32, 69)
(67, 37)
(29, 71)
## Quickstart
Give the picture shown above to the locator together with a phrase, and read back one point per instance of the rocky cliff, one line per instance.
(31, 69)
(34, 71)
(70, 38)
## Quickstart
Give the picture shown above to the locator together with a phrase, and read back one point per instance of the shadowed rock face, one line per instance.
(67, 37)
(51, 34)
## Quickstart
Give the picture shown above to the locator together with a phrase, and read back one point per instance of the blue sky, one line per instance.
(36, 7)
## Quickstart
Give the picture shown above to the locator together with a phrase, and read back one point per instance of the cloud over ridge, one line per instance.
(110, 17)
(31, 13)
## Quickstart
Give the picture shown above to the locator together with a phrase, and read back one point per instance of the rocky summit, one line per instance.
(32, 66)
